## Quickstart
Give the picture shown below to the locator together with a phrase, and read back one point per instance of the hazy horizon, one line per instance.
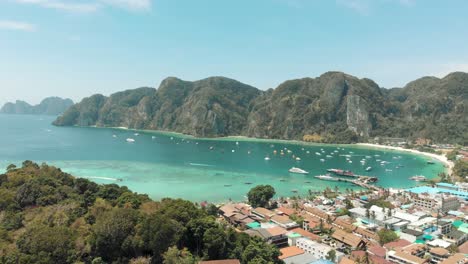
(73, 49)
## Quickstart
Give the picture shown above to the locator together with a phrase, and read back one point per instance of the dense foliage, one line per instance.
(48, 216)
(48, 106)
(260, 195)
(386, 236)
(460, 170)
(333, 108)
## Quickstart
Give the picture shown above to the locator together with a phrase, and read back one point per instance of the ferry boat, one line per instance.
(418, 178)
(342, 172)
(298, 170)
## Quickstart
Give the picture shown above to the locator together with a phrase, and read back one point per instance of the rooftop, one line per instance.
(439, 251)
(457, 258)
(290, 251)
(276, 231)
(397, 244)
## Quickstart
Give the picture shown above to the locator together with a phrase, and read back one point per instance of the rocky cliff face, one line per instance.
(337, 106)
(48, 106)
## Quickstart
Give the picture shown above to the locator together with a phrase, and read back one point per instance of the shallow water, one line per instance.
(169, 165)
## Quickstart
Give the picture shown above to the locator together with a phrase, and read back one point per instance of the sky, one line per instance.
(76, 48)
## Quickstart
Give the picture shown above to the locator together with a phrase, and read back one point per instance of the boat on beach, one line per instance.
(298, 170)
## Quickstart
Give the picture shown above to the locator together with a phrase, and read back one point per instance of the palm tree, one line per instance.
(373, 216)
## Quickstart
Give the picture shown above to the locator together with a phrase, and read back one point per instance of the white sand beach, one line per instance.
(442, 158)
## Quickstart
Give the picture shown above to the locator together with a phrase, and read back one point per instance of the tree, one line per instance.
(260, 195)
(47, 244)
(175, 256)
(386, 236)
(331, 255)
(113, 232)
(214, 241)
(158, 232)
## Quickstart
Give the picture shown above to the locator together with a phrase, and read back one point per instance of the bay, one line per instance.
(171, 165)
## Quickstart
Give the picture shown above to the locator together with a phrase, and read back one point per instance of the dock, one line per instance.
(359, 180)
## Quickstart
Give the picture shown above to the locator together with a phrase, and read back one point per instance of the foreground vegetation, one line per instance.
(48, 216)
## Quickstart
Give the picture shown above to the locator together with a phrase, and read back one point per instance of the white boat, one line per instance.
(350, 161)
(136, 134)
(418, 178)
(298, 170)
(153, 137)
(322, 160)
(114, 136)
(130, 140)
(368, 168)
(237, 142)
(233, 151)
(298, 159)
(307, 152)
(318, 153)
(324, 177)
(267, 158)
(329, 156)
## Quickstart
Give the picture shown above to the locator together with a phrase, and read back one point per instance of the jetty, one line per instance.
(359, 180)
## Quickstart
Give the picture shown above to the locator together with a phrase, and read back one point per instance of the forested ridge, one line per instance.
(332, 108)
(48, 216)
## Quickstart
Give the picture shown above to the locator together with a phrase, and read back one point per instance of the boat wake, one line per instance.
(200, 164)
(100, 178)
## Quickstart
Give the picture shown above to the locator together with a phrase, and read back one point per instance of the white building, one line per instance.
(318, 250)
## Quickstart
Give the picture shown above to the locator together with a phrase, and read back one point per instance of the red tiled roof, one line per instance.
(463, 248)
(399, 243)
(305, 233)
(377, 251)
(286, 211)
(290, 252)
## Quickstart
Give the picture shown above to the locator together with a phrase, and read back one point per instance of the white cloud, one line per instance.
(69, 6)
(89, 6)
(129, 4)
(16, 25)
(364, 7)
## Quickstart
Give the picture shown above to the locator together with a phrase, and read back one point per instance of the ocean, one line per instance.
(215, 170)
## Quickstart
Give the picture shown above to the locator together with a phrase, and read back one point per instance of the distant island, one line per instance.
(332, 108)
(48, 106)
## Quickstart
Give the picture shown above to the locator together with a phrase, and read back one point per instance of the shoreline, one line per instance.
(449, 164)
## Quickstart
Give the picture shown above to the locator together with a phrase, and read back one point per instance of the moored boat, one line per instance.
(418, 178)
(298, 170)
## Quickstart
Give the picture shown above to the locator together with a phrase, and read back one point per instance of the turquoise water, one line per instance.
(169, 165)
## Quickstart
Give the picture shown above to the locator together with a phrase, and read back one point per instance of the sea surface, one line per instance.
(170, 165)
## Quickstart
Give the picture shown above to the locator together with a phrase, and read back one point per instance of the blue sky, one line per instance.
(74, 48)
